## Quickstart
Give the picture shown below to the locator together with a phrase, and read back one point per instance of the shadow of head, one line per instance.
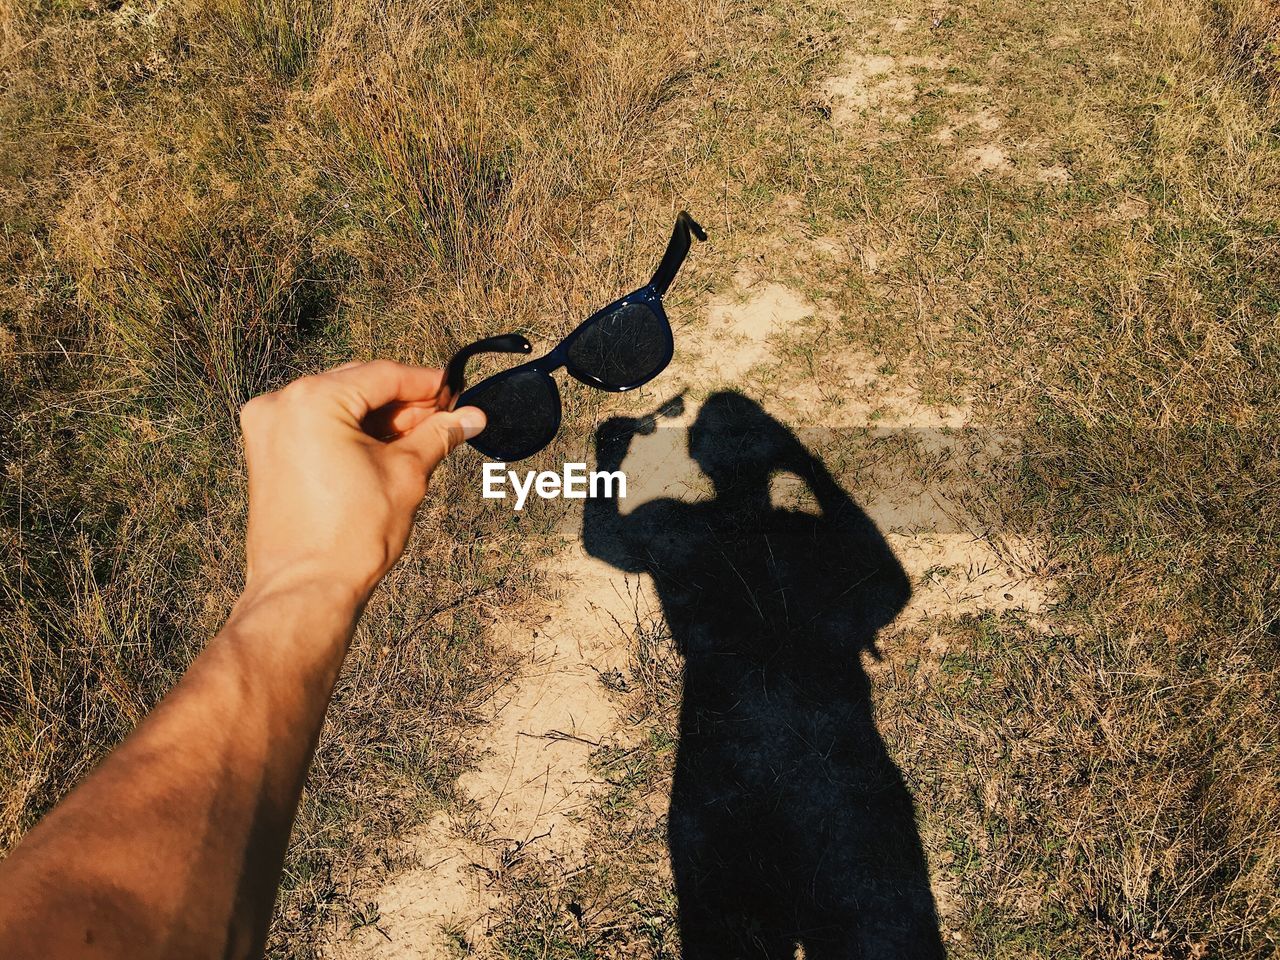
(790, 825)
(737, 444)
(737, 562)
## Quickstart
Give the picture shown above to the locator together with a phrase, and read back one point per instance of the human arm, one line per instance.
(605, 531)
(173, 846)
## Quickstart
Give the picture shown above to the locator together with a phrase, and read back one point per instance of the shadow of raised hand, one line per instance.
(790, 824)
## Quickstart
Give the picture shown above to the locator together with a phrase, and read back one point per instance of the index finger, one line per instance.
(380, 382)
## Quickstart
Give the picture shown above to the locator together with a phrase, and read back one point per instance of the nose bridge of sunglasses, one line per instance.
(455, 372)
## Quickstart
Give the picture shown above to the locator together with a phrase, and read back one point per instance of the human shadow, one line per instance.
(790, 826)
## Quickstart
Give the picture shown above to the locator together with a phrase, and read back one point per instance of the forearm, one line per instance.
(173, 846)
(604, 528)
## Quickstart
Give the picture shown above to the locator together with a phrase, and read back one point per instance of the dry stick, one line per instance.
(451, 605)
(558, 735)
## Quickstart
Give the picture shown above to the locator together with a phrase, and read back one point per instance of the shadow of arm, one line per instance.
(606, 533)
(892, 588)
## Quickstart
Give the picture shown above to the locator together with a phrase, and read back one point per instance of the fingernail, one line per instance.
(472, 420)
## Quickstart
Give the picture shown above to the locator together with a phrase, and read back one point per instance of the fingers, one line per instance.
(405, 418)
(432, 439)
(380, 382)
(396, 419)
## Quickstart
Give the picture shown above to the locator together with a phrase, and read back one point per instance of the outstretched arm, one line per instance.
(605, 531)
(173, 846)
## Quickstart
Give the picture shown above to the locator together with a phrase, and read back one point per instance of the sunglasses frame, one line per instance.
(649, 296)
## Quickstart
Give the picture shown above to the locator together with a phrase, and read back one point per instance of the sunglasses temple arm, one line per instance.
(677, 250)
(454, 381)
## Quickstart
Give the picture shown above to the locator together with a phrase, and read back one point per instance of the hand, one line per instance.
(338, 463)
(613, 440)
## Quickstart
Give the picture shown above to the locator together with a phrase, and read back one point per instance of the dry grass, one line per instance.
(1153, 469)
(1102, 783)
(1249, 40)
(282, 33)
(1105, 784)
(201, 201)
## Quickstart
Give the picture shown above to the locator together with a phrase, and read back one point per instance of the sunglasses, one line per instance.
(618, 348)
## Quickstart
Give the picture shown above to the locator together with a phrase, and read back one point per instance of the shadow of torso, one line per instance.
(789, 823)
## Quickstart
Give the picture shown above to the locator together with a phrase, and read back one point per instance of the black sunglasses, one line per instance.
(618, 348)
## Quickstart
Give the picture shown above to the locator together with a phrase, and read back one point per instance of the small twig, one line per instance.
(560, 735)
(620, 757)
(452, 604)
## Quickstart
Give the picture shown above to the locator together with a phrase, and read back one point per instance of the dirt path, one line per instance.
(532, 806)
(530, 790)
(532, 796)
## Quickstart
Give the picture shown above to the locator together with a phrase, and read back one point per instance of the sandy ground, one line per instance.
(531, 794)
(533, 787)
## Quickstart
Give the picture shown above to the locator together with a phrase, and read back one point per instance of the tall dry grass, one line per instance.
(204, 199)
(1132, 809)
(205, 306)
(283, 34)
(1249, 40)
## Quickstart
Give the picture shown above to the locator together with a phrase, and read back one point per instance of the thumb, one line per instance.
(437, 435)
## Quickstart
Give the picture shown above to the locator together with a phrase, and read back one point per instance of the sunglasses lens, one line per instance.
(523, 412)
(621, 349)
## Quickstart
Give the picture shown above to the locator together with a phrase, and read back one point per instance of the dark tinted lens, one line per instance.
(622, 348)
(523, 411)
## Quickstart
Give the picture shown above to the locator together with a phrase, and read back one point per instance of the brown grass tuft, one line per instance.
(1250, 32)
(202, 200)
